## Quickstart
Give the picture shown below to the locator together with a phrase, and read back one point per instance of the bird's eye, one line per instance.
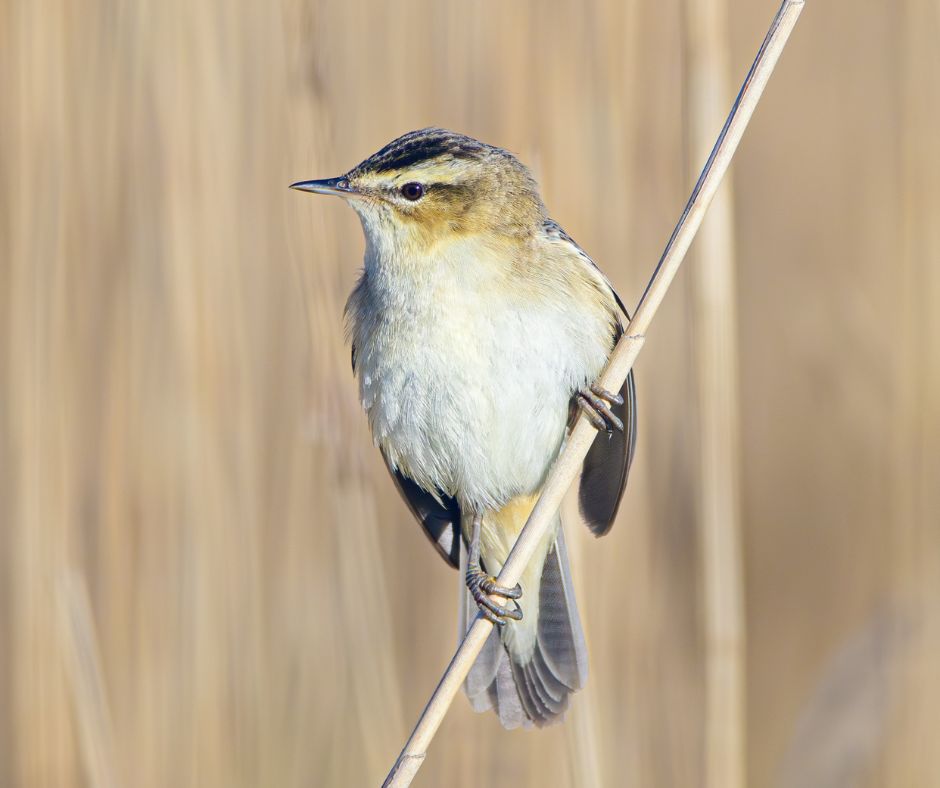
(412, 191)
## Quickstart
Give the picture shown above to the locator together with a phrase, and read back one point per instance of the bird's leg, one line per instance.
(481, 585)
(595, 402)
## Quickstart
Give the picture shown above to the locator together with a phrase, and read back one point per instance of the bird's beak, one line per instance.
(336, 186)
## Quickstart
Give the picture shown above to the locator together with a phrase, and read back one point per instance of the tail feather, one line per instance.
(490, 683)
(560, 638)
(482, 678)
(536, 697)
(499, 692)
(508, 703)
(554, 688)
(533, 688)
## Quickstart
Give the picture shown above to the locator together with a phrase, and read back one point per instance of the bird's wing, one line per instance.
(438, 515)
(607, 465)
(555, 231)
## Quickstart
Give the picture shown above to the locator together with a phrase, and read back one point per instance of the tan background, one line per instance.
(180, 436)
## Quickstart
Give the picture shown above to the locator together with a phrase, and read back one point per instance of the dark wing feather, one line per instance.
(607, 465)
(439, 519)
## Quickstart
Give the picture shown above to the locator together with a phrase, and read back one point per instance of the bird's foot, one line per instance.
(595, 402)
(481, 585)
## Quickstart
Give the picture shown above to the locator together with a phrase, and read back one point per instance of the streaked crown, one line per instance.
(439, 183)
(429, 146)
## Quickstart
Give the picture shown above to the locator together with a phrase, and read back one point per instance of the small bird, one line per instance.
(478, 328)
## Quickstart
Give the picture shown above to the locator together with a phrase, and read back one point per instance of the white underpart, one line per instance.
(467, 374)
(467, 381)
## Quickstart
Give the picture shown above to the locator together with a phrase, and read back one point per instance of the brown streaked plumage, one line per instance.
(477, 324)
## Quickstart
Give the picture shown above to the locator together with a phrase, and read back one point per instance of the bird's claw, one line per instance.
(481, 586)
(595, 402)
(490, 586)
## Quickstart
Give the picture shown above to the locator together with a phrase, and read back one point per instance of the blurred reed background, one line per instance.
(206, 577)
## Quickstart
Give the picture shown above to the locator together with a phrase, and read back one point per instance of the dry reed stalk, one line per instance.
(86, 681)
(718, 484)
(915, 454)
(568, 464)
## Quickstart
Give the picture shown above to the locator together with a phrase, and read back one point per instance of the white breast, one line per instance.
(467, 380)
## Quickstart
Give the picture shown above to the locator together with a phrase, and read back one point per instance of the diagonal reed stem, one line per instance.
(568, 464)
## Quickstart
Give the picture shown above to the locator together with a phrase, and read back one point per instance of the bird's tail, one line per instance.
(528, 668)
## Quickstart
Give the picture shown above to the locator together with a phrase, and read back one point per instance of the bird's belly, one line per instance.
(475, 407)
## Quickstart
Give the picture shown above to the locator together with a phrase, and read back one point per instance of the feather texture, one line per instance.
(607, 466)
(475, 321)
(438, 515)
(532, 687)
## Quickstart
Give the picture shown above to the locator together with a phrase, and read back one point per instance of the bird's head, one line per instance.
(434, 186)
